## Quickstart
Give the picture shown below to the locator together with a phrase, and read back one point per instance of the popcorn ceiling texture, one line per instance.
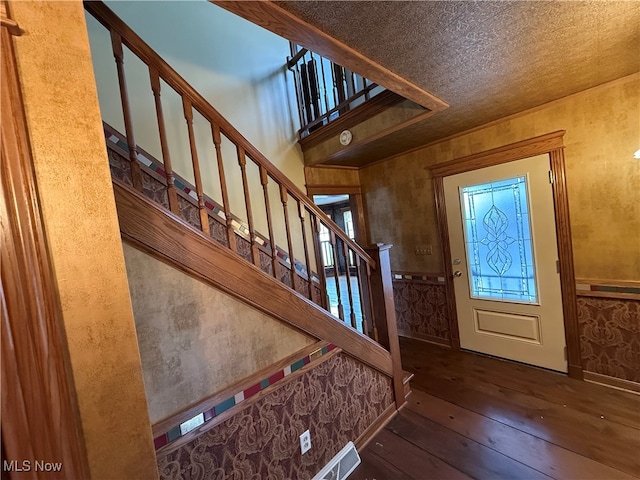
(75, 190)
(487, 60)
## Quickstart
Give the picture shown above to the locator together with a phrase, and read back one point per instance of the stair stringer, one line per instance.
(172, 240)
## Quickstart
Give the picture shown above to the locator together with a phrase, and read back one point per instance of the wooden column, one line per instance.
(284, 197)
(188, 116)
(384, 314)
(363, 288)
(136, 172)
(352, 315)
(217, 142)
(264, 180)
(172, 195)
(336, 273)
(301, 213)
(242, 161)
(315, 224)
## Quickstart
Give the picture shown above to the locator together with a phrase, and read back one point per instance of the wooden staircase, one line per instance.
(178, 222)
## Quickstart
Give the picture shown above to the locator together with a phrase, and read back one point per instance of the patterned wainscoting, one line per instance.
(337, 400)
(421, 306)
(609, 322)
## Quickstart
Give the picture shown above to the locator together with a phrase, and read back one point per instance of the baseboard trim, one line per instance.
(575, 371)
(376, 426)
(612, 382)
(425, 338)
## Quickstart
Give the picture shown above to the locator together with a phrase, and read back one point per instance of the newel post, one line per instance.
(384, 314)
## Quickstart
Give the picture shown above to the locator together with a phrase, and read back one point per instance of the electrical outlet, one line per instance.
(424, 250)
(305, 442)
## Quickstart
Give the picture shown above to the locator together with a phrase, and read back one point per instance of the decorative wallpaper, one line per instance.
(236, 399)
(610, 336)
(421, 307)
(336, 401)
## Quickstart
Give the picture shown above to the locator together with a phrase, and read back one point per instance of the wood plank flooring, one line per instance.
(473, 416)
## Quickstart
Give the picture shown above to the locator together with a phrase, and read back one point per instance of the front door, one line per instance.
(504, 254)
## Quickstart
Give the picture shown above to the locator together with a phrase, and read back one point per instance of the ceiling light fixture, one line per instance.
(637, 154)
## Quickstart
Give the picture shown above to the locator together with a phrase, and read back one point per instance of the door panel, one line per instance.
(501, 223)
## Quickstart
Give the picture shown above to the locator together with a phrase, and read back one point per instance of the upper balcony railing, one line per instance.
(325, 90)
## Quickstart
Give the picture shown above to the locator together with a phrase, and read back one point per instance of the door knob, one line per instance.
(457, 273)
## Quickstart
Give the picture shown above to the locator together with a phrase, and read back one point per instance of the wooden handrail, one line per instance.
(141, 49)
(154, 230)
(293, 60)
(151, 229)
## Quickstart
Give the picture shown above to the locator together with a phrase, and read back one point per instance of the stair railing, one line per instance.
(325, 90)
(353, 303)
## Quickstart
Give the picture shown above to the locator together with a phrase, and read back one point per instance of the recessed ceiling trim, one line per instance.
(279, 21)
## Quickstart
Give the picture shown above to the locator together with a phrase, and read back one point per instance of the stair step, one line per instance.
(406, 378)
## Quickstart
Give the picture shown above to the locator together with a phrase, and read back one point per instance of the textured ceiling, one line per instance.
(485, 59)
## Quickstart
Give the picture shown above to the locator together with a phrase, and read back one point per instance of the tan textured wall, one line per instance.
(80, 219)
(389, 117)
(603, 179)
(194, 339)
(331, 176)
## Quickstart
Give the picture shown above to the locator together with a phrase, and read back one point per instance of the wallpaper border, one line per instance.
(211, 415)
(117, 142)
(608, 289)
(433, 278)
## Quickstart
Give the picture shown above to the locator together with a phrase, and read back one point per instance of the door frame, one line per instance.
(553, 145)
(355, 202)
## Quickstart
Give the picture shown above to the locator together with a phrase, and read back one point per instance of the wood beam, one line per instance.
(281, 22)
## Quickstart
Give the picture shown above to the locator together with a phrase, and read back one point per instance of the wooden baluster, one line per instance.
(264, 180)
(385, 315)
(136, 172)
(334, 248)
(217, 142)
(364, 87)
(319, 260)
(284, 197)
(324, 87)
(301, 214)
(352, 316)
(371, 316)
(172, 195)
(188, 115)
(299, 93)
(363, 296)
(242, 161)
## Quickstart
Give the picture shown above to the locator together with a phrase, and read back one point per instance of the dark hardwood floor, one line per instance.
(472, 416)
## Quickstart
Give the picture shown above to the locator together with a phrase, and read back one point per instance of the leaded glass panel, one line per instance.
(498, 243)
